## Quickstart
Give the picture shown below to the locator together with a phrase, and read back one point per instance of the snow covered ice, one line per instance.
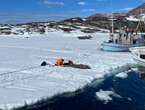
(30, 84)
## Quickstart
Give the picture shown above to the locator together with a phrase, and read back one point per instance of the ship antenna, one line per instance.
(112, 19)
(112, 24)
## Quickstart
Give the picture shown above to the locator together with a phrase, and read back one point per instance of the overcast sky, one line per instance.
(14, 11)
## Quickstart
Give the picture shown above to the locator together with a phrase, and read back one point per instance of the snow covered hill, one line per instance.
(23, 80)
(91, 24)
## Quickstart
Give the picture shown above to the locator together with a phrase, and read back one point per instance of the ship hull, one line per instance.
(113, 47)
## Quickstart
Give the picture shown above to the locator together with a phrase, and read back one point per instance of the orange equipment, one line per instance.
(59, 62)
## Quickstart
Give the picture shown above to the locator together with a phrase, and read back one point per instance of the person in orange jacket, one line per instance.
(59, 62)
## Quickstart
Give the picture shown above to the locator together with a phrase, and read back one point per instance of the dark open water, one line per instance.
(130, 95)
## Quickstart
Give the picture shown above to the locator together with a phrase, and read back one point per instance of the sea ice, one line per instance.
(122, 75)
(106, 96)
(21, 82)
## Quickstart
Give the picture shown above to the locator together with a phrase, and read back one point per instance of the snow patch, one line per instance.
(131, 18)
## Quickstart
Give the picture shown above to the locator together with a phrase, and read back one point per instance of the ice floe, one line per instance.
(17, 53)
(106, 96)
(122, 75)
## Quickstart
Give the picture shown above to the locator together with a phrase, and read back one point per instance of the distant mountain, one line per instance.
(90, 24)
(98, 20)
(138, 10)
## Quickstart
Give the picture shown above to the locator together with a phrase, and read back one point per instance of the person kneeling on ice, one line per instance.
(60, 62)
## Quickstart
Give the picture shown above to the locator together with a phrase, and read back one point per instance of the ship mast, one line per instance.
(112, 19)
(112, 24)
